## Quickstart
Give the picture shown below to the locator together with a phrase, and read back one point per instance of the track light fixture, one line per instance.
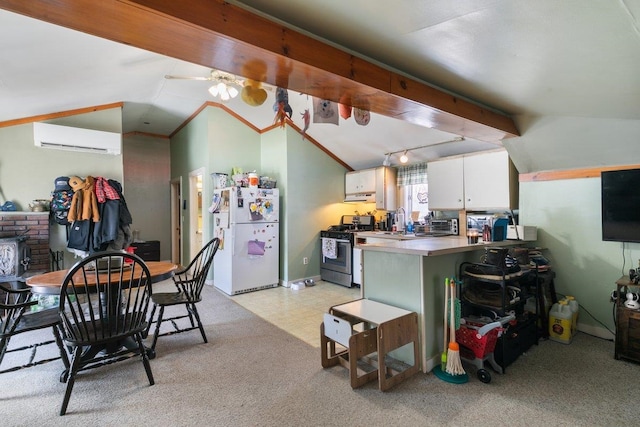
(404, 158)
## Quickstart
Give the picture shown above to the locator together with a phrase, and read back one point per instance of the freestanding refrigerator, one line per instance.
(247, 222)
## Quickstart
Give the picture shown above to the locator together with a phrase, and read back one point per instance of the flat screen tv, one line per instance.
(621, 205)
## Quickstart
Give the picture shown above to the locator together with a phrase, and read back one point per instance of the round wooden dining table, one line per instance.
(49, 283)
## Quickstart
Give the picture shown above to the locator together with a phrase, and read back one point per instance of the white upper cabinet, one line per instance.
(446, 184)
(363, 181)
(375, 185)
(485, 181)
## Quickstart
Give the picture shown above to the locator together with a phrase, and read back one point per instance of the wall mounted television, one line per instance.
(621, 205)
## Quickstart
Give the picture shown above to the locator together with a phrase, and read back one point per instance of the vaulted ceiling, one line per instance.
(429, 70)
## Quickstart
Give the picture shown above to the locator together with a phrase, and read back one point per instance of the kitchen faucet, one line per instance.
(400, 220)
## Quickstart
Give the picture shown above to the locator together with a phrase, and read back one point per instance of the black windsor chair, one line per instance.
(103, 306)
(189, 282)
(16, 318)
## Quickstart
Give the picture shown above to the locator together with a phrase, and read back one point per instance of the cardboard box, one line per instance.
(525, 232)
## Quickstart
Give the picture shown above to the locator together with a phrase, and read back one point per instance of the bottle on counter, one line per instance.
(410, 226)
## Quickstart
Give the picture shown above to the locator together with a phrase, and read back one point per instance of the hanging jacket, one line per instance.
(84, 205)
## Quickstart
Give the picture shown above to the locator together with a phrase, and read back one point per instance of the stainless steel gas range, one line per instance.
(336, 263)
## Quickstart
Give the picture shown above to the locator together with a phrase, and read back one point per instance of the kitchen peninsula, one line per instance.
(411, 273)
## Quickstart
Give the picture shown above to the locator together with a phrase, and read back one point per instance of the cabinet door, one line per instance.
(446, 184)
(386, 185)
(363, 181)
(487, 181)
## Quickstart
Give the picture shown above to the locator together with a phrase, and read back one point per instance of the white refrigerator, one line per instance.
(247, 222)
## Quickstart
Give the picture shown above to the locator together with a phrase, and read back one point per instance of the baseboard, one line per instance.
(597, 331)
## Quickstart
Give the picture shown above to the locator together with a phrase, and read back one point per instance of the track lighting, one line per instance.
(404, 158)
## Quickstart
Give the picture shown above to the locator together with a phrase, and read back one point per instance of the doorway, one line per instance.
(195, 212)
(176, 221)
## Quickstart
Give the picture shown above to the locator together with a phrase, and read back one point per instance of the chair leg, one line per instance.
(59, 343)
(153, 312)
(157, 332)
(71, 378)
(145, 359)
(197, 316)
(4, 345)
(190, 314)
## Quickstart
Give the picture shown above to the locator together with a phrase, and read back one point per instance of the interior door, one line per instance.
(176, 221)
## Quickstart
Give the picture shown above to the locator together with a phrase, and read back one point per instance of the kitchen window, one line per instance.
(413, 185)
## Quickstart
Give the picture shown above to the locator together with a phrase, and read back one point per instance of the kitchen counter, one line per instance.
(410, 274)
(423, 245)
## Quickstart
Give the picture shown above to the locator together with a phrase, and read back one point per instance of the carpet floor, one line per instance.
(251, 373)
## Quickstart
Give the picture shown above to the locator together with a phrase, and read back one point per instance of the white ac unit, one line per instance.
(68, 138)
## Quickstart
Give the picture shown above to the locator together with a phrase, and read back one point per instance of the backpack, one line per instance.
(61, 201)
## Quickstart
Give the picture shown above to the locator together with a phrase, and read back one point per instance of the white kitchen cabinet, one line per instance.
(362, 181)
(375, 185)
(474, 182)
(446, 184)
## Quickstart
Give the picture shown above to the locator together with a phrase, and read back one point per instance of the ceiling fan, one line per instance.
(216, 76)
(224, 85)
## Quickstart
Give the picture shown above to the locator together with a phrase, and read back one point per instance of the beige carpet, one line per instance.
(253, 374)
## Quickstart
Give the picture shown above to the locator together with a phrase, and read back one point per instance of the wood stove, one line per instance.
(15, 257)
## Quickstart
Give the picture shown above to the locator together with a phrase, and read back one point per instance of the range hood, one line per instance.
(360, 198)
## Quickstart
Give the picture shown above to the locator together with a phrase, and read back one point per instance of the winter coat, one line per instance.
(84, 205)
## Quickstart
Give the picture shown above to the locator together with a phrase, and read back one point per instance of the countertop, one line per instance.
(393, 235)
(431, 246)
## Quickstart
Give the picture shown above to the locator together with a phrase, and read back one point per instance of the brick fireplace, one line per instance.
(33, 225)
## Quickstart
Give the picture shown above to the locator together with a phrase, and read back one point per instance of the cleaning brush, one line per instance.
(454, 364)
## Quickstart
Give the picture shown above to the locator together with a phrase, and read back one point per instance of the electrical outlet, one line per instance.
(305, 260)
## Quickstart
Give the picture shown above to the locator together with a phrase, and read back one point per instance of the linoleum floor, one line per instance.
(298, 312)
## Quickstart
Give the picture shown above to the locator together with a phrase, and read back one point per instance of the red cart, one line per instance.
(477, 342)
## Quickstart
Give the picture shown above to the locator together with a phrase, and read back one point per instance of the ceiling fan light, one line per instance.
(224, 95)
(222, 88)
(233, 92)
(213, 90)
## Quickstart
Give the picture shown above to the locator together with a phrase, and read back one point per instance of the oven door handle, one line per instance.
(342, 241)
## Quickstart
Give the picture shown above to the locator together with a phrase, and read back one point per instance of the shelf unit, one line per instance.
(489, 294)
(627, 323)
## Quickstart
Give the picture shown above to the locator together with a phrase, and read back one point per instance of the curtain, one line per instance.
(413, 174)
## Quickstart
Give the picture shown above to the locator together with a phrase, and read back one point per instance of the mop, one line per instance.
(442, 370)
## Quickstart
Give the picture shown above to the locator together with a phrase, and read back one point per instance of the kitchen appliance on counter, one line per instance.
(247, 222)
(443, 227)
(337, 254)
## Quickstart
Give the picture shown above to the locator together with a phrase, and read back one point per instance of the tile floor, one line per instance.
(297, 312)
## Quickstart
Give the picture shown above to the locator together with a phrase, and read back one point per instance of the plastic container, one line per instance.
(575, 308)
(253, 180)
(560, 322)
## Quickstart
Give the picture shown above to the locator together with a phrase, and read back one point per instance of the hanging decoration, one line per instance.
(325, 111)
(306, 119)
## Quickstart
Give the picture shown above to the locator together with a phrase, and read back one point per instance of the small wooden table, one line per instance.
(49, 283)
(385, 328)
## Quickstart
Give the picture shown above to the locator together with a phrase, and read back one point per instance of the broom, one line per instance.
(443, 361)
(454, 364)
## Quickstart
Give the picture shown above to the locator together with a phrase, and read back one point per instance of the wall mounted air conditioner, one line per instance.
(68, 138)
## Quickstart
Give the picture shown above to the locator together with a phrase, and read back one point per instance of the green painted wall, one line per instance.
(311, 183)
(567, 213)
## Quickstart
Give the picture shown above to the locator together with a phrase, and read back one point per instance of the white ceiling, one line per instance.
(574, 58)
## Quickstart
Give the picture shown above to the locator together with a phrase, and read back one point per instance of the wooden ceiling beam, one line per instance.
(219, 35)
